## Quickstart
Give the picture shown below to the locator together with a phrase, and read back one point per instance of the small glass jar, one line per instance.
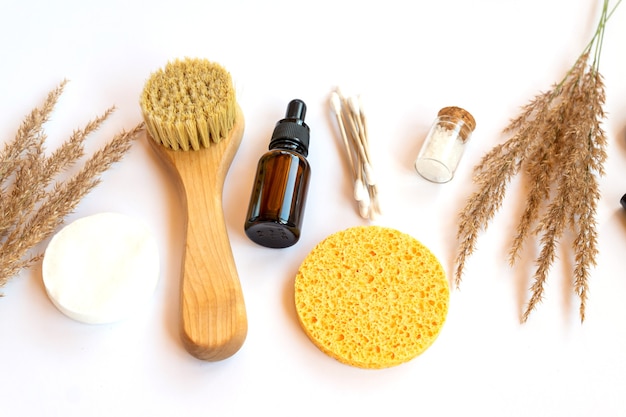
(444, 145)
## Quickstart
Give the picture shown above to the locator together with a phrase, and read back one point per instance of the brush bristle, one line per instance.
(189, 104)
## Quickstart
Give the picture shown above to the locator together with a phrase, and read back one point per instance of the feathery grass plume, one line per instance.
(34, 202)
(19, 155)
(36, 173)
(558, 144)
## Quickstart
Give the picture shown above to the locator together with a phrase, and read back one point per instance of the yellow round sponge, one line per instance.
(371, 297)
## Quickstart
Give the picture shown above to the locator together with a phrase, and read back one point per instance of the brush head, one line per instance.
(189, 104)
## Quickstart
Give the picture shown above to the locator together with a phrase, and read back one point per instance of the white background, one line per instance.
(407, 60)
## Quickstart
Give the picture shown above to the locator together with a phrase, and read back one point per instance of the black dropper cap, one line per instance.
(623, 201)
(292, 131)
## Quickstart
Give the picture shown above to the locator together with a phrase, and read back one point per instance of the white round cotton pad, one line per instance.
(101, 268)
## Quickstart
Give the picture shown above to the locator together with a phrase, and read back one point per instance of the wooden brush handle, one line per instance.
(213, 315)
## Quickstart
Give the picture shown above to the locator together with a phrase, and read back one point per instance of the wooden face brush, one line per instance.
(196, 125)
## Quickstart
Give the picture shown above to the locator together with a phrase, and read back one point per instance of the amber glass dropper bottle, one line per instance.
(281, 184)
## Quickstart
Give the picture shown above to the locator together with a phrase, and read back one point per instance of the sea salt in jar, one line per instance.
(444, 145)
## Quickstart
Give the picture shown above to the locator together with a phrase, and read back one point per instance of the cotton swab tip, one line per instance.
(364, 209)
(360, 191)
(353, 102)
(335, 102)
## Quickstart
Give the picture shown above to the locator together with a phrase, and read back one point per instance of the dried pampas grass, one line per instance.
(558, 143)
(33, 201)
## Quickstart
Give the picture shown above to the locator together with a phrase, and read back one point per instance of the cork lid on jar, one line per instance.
(459, 114)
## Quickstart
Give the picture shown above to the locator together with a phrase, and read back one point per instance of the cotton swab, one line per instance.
(353, 130)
